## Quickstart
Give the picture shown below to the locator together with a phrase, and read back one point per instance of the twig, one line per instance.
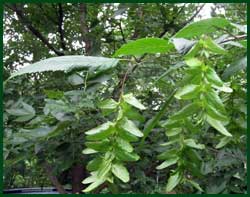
(19, 11)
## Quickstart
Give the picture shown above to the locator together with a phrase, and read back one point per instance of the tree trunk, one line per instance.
(78, 174)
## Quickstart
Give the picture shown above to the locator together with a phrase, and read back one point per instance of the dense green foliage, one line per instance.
(156, 105)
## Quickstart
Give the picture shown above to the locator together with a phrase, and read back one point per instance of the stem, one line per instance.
(148, 128)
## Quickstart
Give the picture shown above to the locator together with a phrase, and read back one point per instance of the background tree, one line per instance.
(37, 31)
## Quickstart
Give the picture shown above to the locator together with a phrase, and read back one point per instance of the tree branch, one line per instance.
(195, 14)
(60, 26)
(84, 27)
(19, 11)
(49, 171)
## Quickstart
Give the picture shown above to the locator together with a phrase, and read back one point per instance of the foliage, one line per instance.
(166, 115)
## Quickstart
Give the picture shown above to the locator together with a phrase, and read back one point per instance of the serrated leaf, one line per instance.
(144, 45)
(213, 46)
(167, 163)
(223, 141)
(202, 27)
(183, 45)
(108, 104)
(211, 111)
(130, 99)
(188, 92)
(173, 181)
(191, 143)
(218, 126)
(194, 50)
(235, 67)
(120, 172)
(186, 111)
(212, 77)
(214, 100)
(130, 127)
(69, 63)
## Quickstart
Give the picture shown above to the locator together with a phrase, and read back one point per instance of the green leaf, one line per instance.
(94, 164)
(191, 143)
(194, 50)
(214, 100)
(130, 127)
(69, 63)
(218, 126)
(54, 94)
(108, 106)
(131, 113)
(144, 45)
(126, 156)
(173, 181)
(123, 144)
(242, 28)
(212, 77)
(100, 146)
(209, 44)
(104, 169)
(169, 143)
(173, 132)
(127, 136)
(24, 112)
(186, 111)
(168, 154)
(182, 45)
(195, 185)
(130, 99)
(94, 185)
(211, 111)
(223, 88)
(235, 67)
(170, 124)
(223, 141)
(90, 179)
(88, 151)
(188, 92)
(100, 132)
(243, 43)
(202, 27)
(167, 163)
(120, 172)
(193, 62)
(75, 79)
